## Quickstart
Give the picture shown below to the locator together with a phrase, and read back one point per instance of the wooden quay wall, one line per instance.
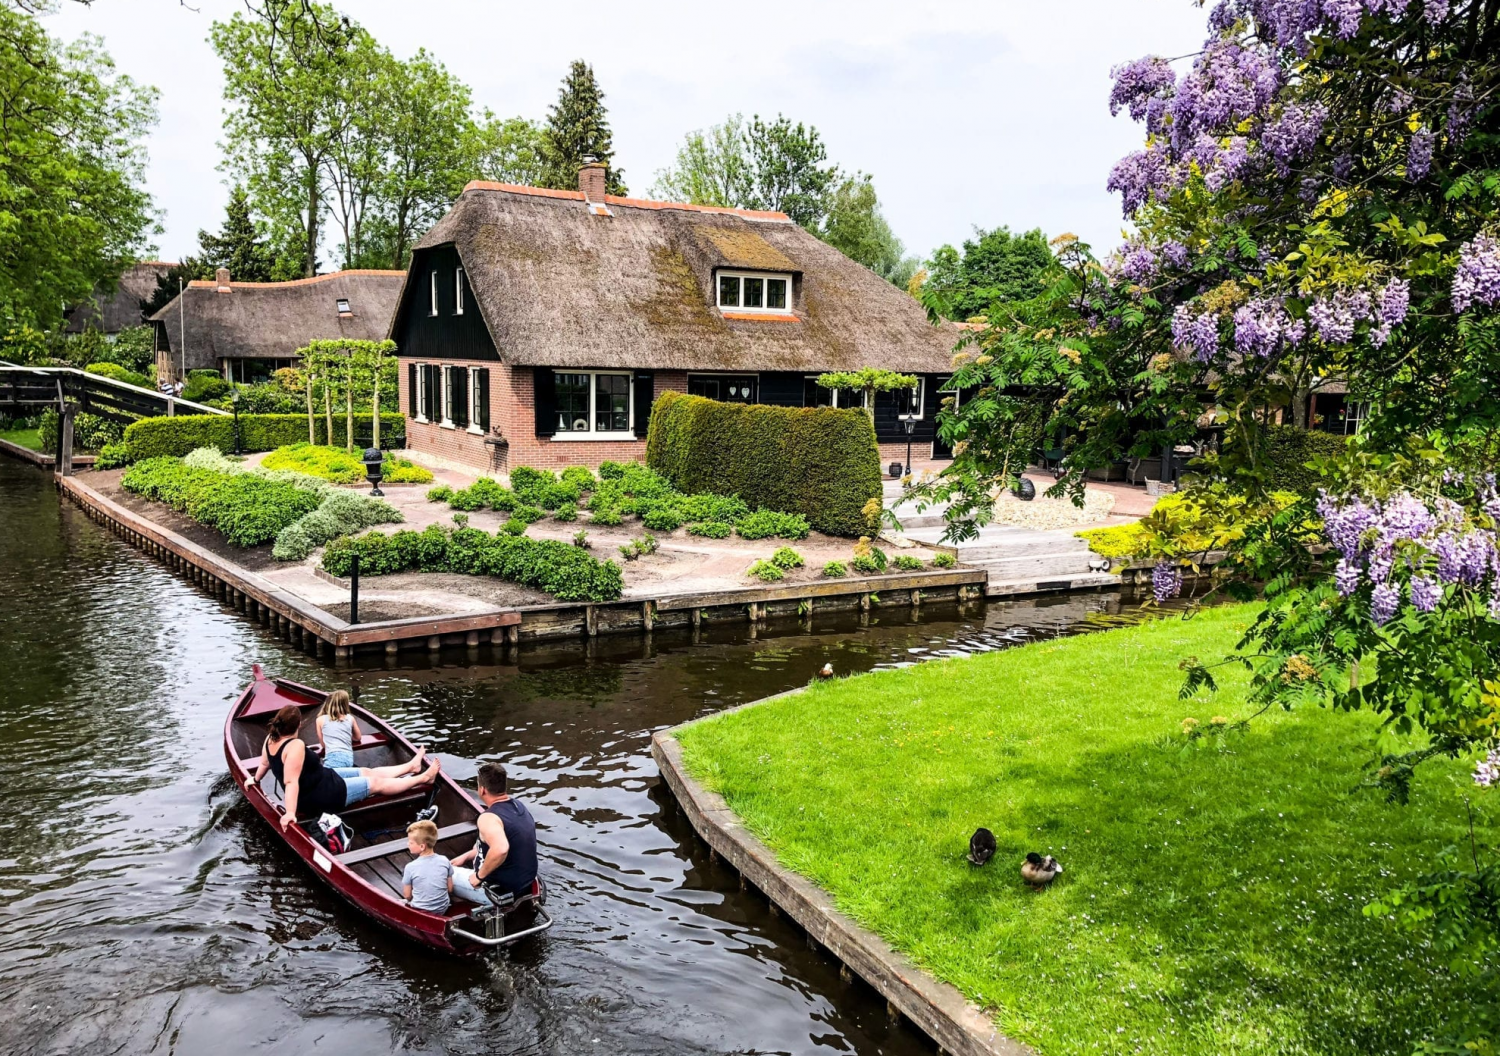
(315, 630)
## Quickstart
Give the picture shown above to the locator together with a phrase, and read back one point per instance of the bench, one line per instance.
(389, 847)
(369, 740)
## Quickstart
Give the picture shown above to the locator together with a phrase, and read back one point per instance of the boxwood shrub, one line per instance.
(247, 508)
(176, 436)
(819, 462)
(565, 571)
(1289, 449)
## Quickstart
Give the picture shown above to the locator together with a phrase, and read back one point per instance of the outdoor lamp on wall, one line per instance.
(374, 462)
(234, 403)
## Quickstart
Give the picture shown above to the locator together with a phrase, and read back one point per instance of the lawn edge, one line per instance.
(937, 1008)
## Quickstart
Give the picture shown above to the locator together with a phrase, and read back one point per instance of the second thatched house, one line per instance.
(246, 330)
(536, 327)
(118, 308)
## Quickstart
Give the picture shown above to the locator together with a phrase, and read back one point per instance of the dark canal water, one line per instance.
(145, 910)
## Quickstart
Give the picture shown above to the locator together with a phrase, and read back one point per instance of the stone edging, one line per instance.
(937, 1008)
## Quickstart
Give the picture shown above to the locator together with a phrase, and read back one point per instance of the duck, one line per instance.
(981, 846)
(826, 671)
(1039, 871)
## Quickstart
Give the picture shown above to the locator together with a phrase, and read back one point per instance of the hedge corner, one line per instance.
(821, 462)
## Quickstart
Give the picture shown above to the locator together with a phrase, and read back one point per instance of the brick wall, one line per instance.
(513, 417)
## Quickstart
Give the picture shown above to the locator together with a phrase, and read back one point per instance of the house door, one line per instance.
(941, 449)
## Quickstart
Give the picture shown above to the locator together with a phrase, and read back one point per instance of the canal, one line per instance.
(144, 909)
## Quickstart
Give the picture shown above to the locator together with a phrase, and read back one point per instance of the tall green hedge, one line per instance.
(1289, 449)
(817, 461)
(176, 436)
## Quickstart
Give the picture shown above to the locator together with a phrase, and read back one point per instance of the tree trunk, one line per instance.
(1300, 396)
(312, 437)
(349, 409)
(328, 406)
(310, 261)
(375, 411)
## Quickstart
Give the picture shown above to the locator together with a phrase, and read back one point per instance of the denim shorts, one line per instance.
(356, 787)
(339, 760)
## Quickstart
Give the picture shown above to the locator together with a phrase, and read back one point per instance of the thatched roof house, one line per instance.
(112, 310)
(533, 316)
(245, 330)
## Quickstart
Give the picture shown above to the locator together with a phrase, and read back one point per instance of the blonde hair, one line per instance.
(337, 705)
(424, 832)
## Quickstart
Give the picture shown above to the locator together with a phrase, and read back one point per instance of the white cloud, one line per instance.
(966, 113)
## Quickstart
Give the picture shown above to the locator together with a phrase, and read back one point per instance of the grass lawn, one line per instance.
(1211, 900)
(31, 438)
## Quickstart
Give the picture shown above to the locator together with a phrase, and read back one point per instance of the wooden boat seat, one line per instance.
(389, 847)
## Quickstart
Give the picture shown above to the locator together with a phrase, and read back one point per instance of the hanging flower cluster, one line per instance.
(1477, 280)
(1166, 580)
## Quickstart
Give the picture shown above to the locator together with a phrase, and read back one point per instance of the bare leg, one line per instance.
(398, 770)
(381, 785)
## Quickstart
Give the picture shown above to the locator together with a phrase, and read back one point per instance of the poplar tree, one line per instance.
(577, 132)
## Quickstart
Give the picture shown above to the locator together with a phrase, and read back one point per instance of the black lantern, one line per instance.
(234, 402)
(909, 423)
(1025, 490)
(895, 469)
(374, 462)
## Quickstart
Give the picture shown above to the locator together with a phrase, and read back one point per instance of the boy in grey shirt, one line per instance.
(428, 877)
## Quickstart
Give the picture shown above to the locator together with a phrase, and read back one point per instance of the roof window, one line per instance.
(343, 303)
(749, 291)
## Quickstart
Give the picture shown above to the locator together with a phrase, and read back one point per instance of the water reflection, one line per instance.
(144, 909)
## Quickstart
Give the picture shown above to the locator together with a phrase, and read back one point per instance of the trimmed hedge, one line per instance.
(115, 372)
(819, 462)
(565, 571)
(247, 508)
(176, 436)
(1289, 449)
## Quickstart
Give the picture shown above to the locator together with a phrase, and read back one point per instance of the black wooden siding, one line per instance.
(787, 389)
(421, 335)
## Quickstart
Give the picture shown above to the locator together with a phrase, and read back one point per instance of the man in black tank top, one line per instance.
(505, 855)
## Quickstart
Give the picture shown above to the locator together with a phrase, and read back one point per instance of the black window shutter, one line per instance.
(461, 397)
(411, 388)
(429, 392)
(482, 382)
(545, 398)
(645, 392)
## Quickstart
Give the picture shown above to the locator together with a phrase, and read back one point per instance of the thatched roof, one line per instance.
(271, 320)
(560, 286)
(111, 311)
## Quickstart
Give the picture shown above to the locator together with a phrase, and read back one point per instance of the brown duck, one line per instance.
(1038, 871)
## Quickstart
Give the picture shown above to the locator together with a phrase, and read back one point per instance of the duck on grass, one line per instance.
(1216, 884)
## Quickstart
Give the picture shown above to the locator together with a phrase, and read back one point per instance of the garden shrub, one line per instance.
(115, 372)
(113, 456)
(865, 564)
(765, 570)
(835, 569)
(567, 572)
(662, 519)
(404, 471)
(90, 431)
(819, 462)
(514, 526)
(611, 470)
(528, 514)
(1116, 541)
(247, 508)
(607, 517)
(1289, 449)
(540, 487)
(786, 558)
(579, 477)
(866, 548)
(265, 399)
(710, 530)
(330, 463)
(477, 496)
(340, 513)
(943, 559)
(154, 437)
(907, 563)
(441, 493)
(1187, 522)
(566, 512)
(505, 501)
(204, 385)
(764, 524)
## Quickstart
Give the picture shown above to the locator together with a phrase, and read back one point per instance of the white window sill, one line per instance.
(446, 425)
(420, 420)
(572, 438)
(475, 430)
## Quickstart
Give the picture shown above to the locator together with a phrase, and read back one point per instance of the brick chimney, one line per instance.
(591, 181)
(221, 280)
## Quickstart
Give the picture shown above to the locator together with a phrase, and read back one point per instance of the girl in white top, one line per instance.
(338, 730)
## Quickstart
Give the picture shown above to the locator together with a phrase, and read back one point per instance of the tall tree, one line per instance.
(855, 227)
(992, 267)
(292, 74)
(508, 150)
(711, 168)
(73, 209)
(789, 171)
(578, 132)
(238, 245)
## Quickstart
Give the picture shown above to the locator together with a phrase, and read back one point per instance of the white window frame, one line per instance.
(754, 375)
(921, 388)
(342, 305)
(1356, 413)
(731, 273)
(432, 293)
(586, 435)
(458, 291)
(474, 426)
(445, 397)
(421, 393)
(859, 395)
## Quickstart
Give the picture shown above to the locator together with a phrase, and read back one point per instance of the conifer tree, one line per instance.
(237, 246)
(578, 132)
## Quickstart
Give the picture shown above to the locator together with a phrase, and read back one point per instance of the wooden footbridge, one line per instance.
(26, 390)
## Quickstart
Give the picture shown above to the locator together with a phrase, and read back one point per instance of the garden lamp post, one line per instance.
(909, 423)
(234, 403)
(373, 461)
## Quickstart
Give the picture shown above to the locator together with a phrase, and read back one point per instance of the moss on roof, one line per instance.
(743, 248)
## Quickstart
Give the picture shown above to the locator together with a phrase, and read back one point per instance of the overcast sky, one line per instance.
(983, 112)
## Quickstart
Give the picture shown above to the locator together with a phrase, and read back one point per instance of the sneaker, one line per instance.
(428, 813)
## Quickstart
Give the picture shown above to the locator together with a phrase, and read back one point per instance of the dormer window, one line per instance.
(343, 303)
(458, 292)
(755, 291)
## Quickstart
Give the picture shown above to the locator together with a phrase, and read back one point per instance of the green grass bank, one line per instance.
(28, 438)
(1212, 894)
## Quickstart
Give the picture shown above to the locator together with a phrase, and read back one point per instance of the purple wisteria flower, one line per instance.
(1139, 264)
(1434, 10)
(1460, 113)
(1346, 576)
(1138, 82)
(1261, 326)
(1487, 770)
(1393, 302)
(1426, 592)
(1345, 16)
(1334, 317)
(1419, 154)
(1400, 102)
(1197, 332)
(1464, 557)
(1385, 599)
(1176, 253)
(1166, 581)
(1140, 177)
(1477, 280)
(1293, 133)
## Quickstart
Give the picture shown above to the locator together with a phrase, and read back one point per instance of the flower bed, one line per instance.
(342, 466)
